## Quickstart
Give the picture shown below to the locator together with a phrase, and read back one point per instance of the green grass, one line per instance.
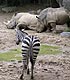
(15, 54)
(11, 55)
(67, 30)
(46, 49)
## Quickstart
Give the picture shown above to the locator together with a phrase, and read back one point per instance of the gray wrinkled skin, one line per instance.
(20, 21)
(40, 27)
(54, 16)
(13, 22)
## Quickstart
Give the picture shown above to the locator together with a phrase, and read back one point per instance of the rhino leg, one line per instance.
(21, 26)
(40, 29)
(51, 27)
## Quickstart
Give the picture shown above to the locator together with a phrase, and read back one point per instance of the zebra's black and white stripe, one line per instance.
(30, 50)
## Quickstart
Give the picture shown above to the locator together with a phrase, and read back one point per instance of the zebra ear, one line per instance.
(24, 32)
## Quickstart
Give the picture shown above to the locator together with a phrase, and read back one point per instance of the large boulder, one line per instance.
(66, 4)
(60, 2)
(65, 34)
(9, 9)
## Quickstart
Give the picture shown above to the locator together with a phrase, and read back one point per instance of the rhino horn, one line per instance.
(6, 23)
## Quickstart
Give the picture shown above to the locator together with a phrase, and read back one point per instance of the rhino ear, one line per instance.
(37, 17)
(39, 20)
(15, 13)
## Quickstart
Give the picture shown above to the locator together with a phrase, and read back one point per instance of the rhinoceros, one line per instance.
(54, 16)
(25, 21)
(11, 24)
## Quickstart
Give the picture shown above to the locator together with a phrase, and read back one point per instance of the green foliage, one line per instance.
(15, 54)
(67, 30)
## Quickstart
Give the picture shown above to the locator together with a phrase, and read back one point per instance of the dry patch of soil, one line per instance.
(48, 67)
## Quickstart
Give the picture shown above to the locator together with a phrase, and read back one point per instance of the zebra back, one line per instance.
(30, 47)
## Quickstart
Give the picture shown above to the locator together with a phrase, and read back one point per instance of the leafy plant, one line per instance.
(67, 30)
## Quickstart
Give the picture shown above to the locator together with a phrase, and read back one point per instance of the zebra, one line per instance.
(30, 50)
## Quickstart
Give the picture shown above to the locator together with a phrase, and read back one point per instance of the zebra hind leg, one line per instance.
(21, 77)
(32, 71)
(28, 64)
(28, 71)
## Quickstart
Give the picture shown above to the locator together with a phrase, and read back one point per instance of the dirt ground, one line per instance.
(47, 67)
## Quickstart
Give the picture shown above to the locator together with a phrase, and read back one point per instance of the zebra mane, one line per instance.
(21, 35)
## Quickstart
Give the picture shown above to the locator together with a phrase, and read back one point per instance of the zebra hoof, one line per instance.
(21, 77)
(17, 43)
(28, 72)
(32, 77)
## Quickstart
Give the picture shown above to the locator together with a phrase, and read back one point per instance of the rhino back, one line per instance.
(62, 17)
(28, 19)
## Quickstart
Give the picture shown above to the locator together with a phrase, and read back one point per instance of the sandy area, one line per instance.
(47, 67)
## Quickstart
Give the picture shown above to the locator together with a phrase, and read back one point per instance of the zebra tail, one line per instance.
(31, 58)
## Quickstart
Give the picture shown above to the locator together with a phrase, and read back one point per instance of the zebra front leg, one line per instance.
(28, 71)
(21, 77)
(23, 71)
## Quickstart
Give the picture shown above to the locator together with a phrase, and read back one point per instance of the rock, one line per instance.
(65, 34)
(66, 4)
(61, 28)
(9, 9)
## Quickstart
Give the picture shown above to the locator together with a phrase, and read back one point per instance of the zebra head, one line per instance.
(20, 35)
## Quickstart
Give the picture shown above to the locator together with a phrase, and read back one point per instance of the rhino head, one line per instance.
(40, 25)
(10, 24)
